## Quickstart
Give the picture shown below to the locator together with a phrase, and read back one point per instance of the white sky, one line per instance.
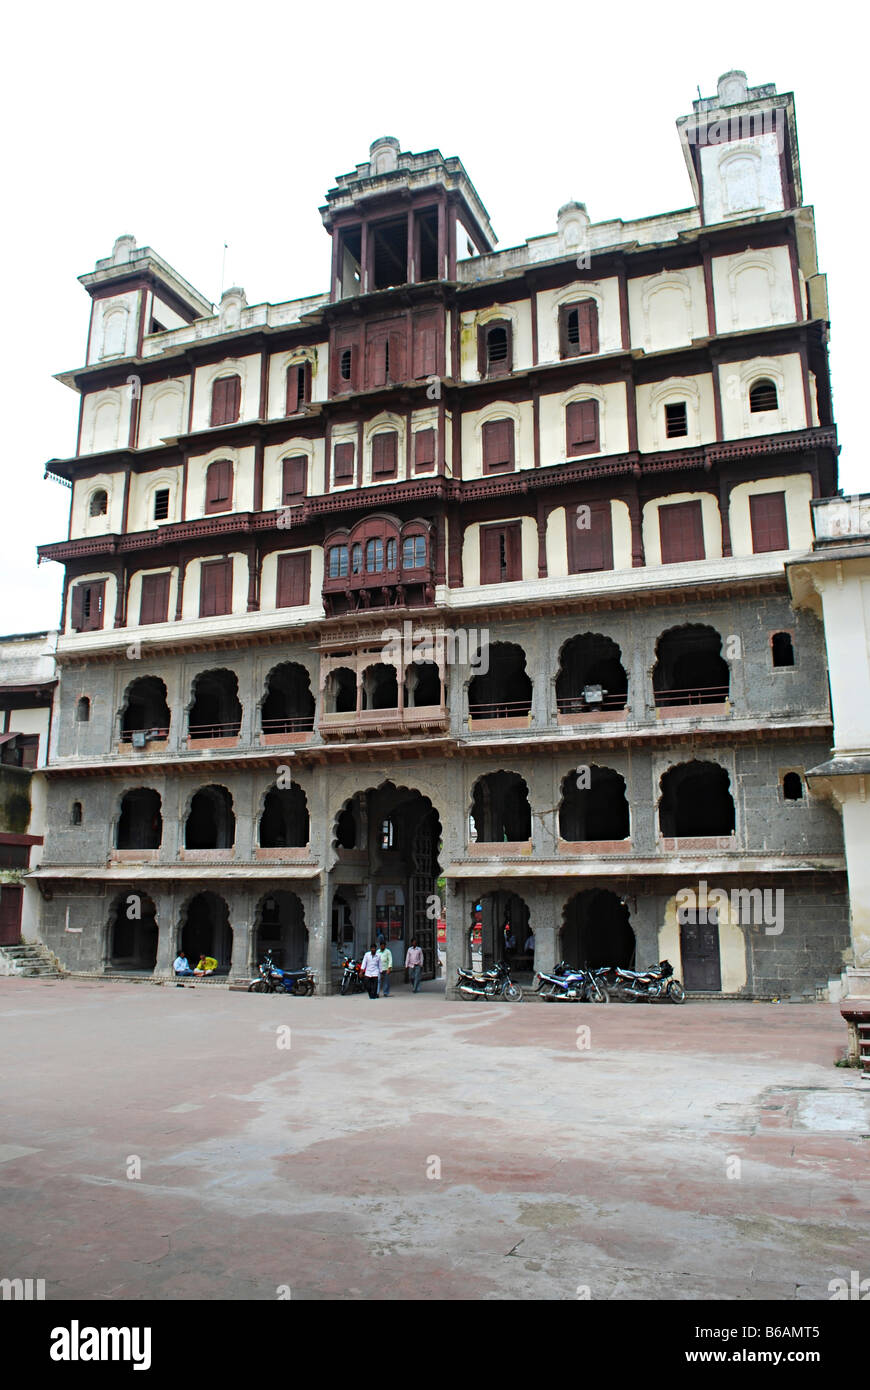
(192, 124)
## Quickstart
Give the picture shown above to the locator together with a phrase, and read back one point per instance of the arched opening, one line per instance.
(83, 710)
(505, 690)
(782, 649)
(596, 931)
(288, 705)
(132, 941)
(500, 808)
(75, 815)
(140, 824)
(696, 801)
(206, 931)
(423, 685)
(380, 687)
(594, 805)
(762, 396)
(145, 709)
(211, 823)
(99, 502)
(591, 675)
(342, 932)
(792, 787)
(215, 711)
(689, 667)
(279, 927)
(339, 694)
(346, 829)
(502, 925)
(284, 822)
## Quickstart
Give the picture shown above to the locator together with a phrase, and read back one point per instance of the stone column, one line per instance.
(457, 909)
(318, 923)
(164, 904)
(544, 904)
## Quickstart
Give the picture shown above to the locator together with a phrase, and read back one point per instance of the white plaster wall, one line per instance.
(846, 606)
(114, 327)
(709, 516)
(134, 597)
(243, 479)
(163, 411)
(856, 832)
(612, 420)
(158, 309)
(278, 365)
(621, 518)
(798, 489)
(735, 382)
(247, 369)
(140, 513)
(668, 309)
(111, 598)
(557, 543)
(472, 436)
(269, 584)
(697, 392)
(83, 489)
(517, 312)
(190, 601)
(606, 295)
(740, 177)
(753, 289)
(106, 420)
(273, 468)
(471, 552)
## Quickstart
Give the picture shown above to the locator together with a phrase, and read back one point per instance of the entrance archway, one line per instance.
(279, 927)
(206, 931)
(132, 938)
(596, 930)
(498, 910)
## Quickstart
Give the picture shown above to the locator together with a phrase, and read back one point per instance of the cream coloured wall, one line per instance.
(190, 600)
(243, 479)
(471, 552)
(425, 420)
(140, 512)
(557, 538)
(606, 295)
(741, 176)
(279, 362)
(273, 467)
(114, 327)
(668, 309)
(134, 596)
(111, 598)
(697, 392)
(105, 420)
(612, 420)
(557, 543)
(753, 289)
(83, 489)
(732, 942)
(798, 489)
(385, 421)
(246, 368)
(518, 313)
(473, 422)
(160, 310)
(709, 516)
(737, 378)
(163, 411)
(343, 434)
(269, 584)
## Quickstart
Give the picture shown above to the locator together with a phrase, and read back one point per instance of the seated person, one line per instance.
(181, 965)
(207, 965)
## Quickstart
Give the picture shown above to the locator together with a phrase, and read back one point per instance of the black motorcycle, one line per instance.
(570, 985)
(488, 984)
(352, 981)
(658, 982)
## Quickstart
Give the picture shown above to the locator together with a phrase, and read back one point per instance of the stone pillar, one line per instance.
(241, 935)
(319, 954)
(457, 913)
(545, 919)
(164, 904)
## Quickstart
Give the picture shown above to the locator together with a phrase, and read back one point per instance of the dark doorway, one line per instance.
(215, 712)
(598, 811)
(596, 930)
(288, 706)
(210, 823)
(591, 675)
(133, 933)
(140, 824)
(207, 931)
(500, 808)
(699, 948)
(696, 801)
(284, 822)
(280, 928)
(145, 708)
(505, 691)
(690, 669)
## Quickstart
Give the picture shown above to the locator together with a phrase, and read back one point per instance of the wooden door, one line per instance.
(699, 945)
(11, 898)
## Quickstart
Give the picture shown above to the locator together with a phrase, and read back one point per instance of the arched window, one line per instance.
(356, 558)
(375, 556)
(413, 552)
(792, 787)
(392, 554)
(345, 364)
(83, 710)
(762, 396)
(219, 486)
(76, 813)
(495, 349)
(338, 562)
(99, 502)
(161, 504)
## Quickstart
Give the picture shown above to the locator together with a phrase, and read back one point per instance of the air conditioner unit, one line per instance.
(139, 738)
(593, 694)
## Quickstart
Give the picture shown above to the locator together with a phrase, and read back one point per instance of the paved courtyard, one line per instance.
(413, 1148)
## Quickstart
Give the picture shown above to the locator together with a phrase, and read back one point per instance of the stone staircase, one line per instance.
(31, 958)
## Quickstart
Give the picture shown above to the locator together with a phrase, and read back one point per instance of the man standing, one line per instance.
(371, 970)
(385, 956)
(414, 964)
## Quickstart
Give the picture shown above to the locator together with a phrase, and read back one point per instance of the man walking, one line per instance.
(414, 964)
(385, 956)
(371, 970)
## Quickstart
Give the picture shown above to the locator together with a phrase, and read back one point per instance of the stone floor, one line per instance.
(424, 1149)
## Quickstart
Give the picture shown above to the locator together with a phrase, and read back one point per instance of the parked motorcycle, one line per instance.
(488, 984)
(570, 985)
(658, 982)
(352, 981)
(274, 981)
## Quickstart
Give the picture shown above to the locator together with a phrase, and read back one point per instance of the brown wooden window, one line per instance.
(590, 537)
(226, 398)
(298, 386)
(161, 504)
(215, 588)
(768, 523)
(345, 364)
(501, 555)
(219, 487)
(343, 463)
(425, 343)
(424, 451)
(294, 579)
(154, 605)
(88, 606)
(495, 353)
(681, 528)
(581, 428)
(762, 396)
(295, 480)
(578, 328)
(676, 420)
(498, 446)
(385, 454)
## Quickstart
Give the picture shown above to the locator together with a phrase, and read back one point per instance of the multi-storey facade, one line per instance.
(470, 568)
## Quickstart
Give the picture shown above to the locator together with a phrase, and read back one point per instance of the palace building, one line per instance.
(459, 590)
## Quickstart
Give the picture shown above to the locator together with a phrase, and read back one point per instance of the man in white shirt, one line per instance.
(414, 964)
(371, 970)
(386, 959)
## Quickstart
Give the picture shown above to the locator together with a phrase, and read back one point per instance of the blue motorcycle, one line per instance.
(569, 985)
(274, 981)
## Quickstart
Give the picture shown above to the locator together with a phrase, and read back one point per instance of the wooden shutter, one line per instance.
(93, 605)
(767, 519)
(219, 486)
(425, 343)
(590, 547)
(295, 484)
(78, 607)
(292, 389)
(343, 463)
(154, 607)
(376, 371)
(294, 579)
(681, 528)
(581, 428)
(501, 556)
(498, 446)
(506, 365)
(226, 396)
(424, 451)
(514, 551)
(385, 454)
(587, 313)
(215, 588)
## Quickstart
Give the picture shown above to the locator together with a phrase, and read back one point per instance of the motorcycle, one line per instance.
(488, 984)
(274, 981)
(352, 981)
(658, 982)
(569, 985)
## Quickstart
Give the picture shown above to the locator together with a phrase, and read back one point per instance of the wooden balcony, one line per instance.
(385, 723)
